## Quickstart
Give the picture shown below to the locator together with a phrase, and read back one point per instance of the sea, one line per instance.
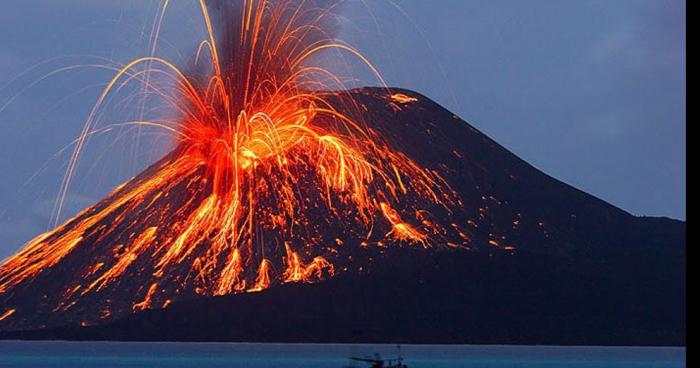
(166, 355)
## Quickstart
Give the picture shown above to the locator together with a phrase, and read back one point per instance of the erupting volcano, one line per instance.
(280, 174)
(272, 179)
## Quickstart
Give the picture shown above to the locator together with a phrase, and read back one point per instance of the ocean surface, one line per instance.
(111, 354)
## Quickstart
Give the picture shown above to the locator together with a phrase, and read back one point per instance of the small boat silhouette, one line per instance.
(377, 362)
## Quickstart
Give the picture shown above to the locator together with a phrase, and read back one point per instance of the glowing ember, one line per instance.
(7, 314)
(263, 280)
(401, 230)
(402, 98)
(146, 303)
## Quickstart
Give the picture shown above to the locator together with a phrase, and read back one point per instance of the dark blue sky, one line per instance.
(591, 92)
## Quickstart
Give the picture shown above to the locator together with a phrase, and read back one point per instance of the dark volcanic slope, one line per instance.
(548, 264)
(451, 297)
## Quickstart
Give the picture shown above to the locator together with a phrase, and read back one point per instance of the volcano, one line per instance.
(295, 208)
(525, 259)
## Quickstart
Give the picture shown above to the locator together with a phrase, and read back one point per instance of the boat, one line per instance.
(377, 362)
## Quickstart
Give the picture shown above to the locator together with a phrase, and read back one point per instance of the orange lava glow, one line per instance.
(258, 147)
(401, 230)
(402, 98)
(146, 303)
(7, 314)
(263, 279)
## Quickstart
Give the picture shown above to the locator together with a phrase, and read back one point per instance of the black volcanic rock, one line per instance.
(450, 297)
(548, 264)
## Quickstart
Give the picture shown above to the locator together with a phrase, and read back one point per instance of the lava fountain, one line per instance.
(268, 182)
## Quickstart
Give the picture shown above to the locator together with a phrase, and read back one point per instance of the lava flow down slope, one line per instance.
(285, 188)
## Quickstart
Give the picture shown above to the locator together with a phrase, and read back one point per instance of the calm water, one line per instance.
(104, 355)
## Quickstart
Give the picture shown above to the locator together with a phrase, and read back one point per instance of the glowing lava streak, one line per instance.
(7, 314)
(401, 230)
(262, 156)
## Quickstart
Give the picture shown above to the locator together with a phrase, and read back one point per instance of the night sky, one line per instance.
(590, 92)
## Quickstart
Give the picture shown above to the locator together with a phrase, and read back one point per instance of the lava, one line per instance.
(402, 98)
(7, 314)
(262, 163)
